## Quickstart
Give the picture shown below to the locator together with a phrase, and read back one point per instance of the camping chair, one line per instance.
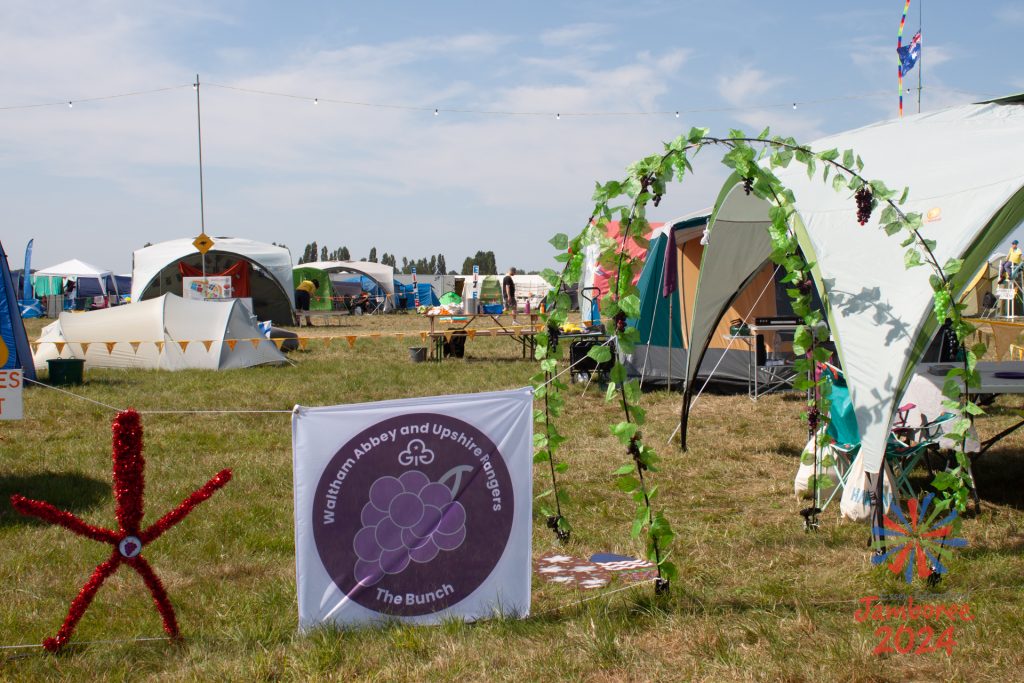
(904, 448)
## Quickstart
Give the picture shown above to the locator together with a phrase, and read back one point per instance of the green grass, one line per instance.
(758, 599)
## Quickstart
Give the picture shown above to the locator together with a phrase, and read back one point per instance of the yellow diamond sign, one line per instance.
(203, 243)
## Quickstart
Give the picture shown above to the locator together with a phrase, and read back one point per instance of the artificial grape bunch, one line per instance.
(865, 202)
(408, 518)
(805, 286)
(748, 185)
(941, 304)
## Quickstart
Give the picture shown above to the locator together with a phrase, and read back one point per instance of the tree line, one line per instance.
(436, 263)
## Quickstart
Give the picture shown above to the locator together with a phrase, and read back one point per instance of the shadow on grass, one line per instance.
(69, 491)
(997, 475)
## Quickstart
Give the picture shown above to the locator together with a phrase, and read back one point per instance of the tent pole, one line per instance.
(684, 417)
(670, 332)
(202, 210)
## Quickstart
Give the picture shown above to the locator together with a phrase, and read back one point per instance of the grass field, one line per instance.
(758, 598)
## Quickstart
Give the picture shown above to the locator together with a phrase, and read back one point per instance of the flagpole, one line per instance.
(920, 59)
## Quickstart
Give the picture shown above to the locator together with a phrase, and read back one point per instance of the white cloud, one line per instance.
(744, 86)
(1010, 14)
(279, 168)
(575, 35)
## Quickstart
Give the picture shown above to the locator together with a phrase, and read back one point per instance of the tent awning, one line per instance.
(965, 170)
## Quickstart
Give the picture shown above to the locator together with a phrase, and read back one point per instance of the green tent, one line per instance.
(490, 289)
(321, 299)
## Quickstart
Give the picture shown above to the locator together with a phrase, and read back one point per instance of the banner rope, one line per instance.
(153, 412)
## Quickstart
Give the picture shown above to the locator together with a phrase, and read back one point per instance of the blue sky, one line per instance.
(100, 179)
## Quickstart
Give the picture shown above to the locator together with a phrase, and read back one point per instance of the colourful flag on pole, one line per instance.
(910, 54)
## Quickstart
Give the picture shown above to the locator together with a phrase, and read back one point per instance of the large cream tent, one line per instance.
(965, 170)
(267, 269)
(166, 333)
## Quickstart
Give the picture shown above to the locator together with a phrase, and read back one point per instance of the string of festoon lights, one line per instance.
(437, 111)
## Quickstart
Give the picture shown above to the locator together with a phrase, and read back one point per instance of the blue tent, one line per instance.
(404, 294)
(12, 329)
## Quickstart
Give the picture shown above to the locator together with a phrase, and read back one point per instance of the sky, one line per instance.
(101, 178)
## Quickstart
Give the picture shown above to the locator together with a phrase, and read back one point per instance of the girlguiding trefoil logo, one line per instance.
(917, 543)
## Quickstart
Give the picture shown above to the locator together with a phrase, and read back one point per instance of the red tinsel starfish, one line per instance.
(129, 539)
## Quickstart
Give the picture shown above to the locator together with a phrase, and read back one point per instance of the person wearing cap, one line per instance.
(1011, 266)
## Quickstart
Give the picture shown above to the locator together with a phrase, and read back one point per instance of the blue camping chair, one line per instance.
(904, 448)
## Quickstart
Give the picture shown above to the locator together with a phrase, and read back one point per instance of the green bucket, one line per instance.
(66, 371)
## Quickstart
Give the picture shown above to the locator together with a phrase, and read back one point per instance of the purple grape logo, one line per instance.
(413, 513)
(408, 519)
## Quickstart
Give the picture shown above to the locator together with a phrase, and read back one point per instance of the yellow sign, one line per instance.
(203, 243)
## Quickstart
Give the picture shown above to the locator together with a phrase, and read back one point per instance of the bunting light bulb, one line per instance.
(316, 100)
(677, 115)
(435, 112)
(70, 105)
(794, 106)
(558, 116)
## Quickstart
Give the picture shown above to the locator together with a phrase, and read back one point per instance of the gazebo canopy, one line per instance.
(965, 170)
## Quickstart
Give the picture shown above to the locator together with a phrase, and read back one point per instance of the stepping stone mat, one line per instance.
(597, 572)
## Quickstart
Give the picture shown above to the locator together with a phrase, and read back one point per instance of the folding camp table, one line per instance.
(523, 333)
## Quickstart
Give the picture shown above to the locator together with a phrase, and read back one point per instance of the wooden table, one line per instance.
(523, 328)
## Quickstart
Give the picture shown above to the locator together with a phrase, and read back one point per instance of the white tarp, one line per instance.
(151, 334)
(416, 509)
(384, 275)
(965, 170)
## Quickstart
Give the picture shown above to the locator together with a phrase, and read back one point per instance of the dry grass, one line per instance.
(758, 598)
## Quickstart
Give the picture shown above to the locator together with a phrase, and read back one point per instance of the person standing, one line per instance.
(508, 290)
(303, 296)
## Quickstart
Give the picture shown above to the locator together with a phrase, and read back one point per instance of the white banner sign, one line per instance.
(204, 288)
(418, 509)
(10, 395)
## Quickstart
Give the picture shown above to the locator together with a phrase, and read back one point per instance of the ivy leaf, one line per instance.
(600, 354)
(953, 266)
(838, 182)
(624, 469)
(630, 305)
(912, 259)
(848, 158)
(697, 133)
(560, 241)
(829, 154)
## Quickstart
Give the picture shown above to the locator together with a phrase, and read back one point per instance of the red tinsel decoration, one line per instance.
(128, 541)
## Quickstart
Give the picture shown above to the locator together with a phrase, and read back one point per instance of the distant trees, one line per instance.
(485, 260)
(435, 264)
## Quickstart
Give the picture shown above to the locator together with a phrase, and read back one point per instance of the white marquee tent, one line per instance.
(965, 170)
(166, 333)
(76, 269)
(155, 272)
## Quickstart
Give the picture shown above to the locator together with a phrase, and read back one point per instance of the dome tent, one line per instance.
(157, 270)
(166, 333)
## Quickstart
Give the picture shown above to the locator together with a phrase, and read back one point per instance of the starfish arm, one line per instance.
(54, 515)
(156, 589)
(129, 464)
(82, 602)
(155, 530)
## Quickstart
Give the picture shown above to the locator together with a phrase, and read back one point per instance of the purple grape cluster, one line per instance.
(864, 203)
(408, 519)
(748, 185)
